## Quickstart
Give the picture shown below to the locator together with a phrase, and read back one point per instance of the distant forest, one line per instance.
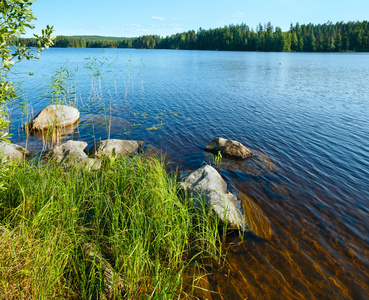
(328, 37)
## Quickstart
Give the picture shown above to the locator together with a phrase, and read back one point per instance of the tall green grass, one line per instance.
(125, 232)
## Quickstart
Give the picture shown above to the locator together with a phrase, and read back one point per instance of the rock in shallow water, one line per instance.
(55, 116)
(229, 148)
(114, 147)
(206, 184)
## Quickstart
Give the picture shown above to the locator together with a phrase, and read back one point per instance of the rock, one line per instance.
(204, 180)
(55, 116)
(62, 151)
(70, 153)
(13, 151)
(229, 148)
(114, 147)
(206, 184)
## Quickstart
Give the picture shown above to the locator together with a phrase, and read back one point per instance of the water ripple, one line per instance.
(306, 120)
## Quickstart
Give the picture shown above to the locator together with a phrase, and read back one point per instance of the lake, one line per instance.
(305, 116)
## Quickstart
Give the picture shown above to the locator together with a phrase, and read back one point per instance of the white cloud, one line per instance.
(158, 18)
(89, 28)
(131, 25)
(239, 14)
(173, 25)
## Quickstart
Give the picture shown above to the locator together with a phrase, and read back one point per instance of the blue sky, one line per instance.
(132, 18)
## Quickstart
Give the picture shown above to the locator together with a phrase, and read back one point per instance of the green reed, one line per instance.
(215, 160)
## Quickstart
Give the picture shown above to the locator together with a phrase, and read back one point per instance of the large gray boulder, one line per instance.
(229, 148)
(13, 151)
(55, 116)
(114, 147)
(205, 185)
(70, 153)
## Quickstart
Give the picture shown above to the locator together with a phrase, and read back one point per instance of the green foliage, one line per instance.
(15, 18)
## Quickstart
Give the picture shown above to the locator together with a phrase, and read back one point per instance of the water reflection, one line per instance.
(56, 134)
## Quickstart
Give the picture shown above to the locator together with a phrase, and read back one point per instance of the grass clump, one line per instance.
(120, 233)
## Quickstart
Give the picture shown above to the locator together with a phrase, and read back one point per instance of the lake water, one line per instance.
(305, 116)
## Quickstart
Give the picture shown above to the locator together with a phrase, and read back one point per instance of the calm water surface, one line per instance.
(306, 117)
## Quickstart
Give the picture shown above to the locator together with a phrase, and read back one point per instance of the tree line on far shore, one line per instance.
(328, 37)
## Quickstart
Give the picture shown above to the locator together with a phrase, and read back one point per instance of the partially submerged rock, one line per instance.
(13, 151)
(54, 116)
(114, 147)
(204, 180)
(229, 148)
(206, 185)
(72, 152)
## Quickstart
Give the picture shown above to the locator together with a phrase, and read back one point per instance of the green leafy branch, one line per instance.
(15, 18)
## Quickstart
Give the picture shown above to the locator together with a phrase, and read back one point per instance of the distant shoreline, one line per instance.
(328, 37)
